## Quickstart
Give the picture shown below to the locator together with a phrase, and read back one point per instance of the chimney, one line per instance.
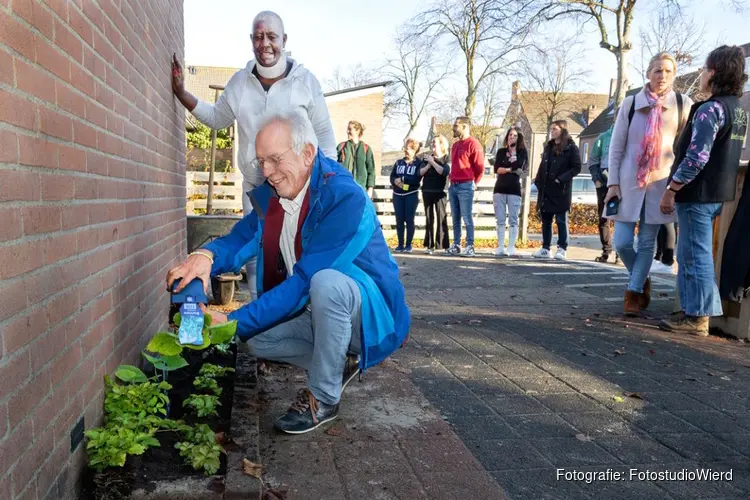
(515, 90)
(592, 112)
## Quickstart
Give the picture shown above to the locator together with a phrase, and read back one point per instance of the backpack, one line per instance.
(342, 151)
(679, 119)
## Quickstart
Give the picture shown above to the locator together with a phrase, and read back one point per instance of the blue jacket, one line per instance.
(408, 173)
(341, 232)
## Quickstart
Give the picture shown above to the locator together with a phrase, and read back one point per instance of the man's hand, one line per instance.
(195, 266)
(178, 77)
(666, 205)
(217, 318)
(613, 192)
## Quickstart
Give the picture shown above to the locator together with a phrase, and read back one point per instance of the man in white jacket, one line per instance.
(271, 81)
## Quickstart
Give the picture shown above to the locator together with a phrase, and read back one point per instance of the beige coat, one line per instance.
(623, 156)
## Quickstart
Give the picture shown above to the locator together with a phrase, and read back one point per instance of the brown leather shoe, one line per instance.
(693, 325)
(646, 296)
(633, 301)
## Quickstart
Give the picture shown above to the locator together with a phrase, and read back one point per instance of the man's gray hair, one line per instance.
(299, 125)
(268, 15)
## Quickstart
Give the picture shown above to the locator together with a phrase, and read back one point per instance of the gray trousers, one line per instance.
(320, 337)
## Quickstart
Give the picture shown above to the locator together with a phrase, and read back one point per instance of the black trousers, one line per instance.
(605, 234)
(665, 243)
(436, 227)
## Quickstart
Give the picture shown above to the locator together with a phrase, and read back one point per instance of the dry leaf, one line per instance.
(251, 468)
(334, 431)
(618, 399)
(634, 395)
(711, 374)
(618, 352)
(221, 438)
(274, 494)
(583, 437)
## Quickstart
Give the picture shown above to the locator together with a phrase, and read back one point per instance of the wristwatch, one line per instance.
(670, 188)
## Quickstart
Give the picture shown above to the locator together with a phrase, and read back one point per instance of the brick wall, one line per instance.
(366, 109)
(92, 197)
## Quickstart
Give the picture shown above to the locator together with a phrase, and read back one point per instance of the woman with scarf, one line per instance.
(405, 179)
(640, 158)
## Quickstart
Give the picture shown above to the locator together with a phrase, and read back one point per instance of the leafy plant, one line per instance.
(200, 138)
(222, 333)
(145, 398)
(110, 446)
(166, 363)
(223, 348)
(215, 371)
(203, 404)
(130, 374)
(207, 384)
(165, 343)
(201, 450)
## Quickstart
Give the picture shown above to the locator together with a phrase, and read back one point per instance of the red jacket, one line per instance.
(467, 161)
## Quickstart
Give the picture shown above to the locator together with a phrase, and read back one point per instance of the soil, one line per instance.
(165, 462)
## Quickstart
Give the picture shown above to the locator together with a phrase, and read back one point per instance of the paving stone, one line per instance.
(656, 421)
(624, 490)
(564, 403)
(715, 422)
(516, 405)
(472, 484)
(465, 406)
(469, 428)
(602, 423)
(704, 489)
(723, 400)
(701, 447)
(637, 449)
(369, 457)
(570, 451)
(542, 385)
(303, 487)
(539, 484)
(384, 487)
(738, 442)
(445, 454)
(675, 401)
(506, 454)
(545, 425)
(493, 387)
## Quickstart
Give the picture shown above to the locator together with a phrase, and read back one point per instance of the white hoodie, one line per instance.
(245, 100)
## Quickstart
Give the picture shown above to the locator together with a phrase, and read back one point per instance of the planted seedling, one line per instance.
(201, 450)
(215, 371)
(207, 384)
(203, 404)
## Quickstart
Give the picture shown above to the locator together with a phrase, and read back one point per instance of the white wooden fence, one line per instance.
(229, 188)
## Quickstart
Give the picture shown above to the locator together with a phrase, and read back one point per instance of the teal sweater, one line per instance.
(360, 163)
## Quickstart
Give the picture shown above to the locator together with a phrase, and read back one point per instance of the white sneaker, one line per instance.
(561, 254)
(542, 253)
(468, 251)
(658, 267)
(500, 252)
(511, 251)
(454, 250)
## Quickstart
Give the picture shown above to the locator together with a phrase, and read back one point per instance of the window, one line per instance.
(585, 152)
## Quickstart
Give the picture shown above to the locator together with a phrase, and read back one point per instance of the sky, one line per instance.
(329, 33)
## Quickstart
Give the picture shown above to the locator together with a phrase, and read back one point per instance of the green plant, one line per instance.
(200, 449)
(215, 371)
(200, 138)
(130, 374)
(207, 384)
(110, 446)
(203, 404)
(141, 399)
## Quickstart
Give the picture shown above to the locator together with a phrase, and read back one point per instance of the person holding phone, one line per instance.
(640, 158)
(435, 171)
(511, 165)
(405, 179)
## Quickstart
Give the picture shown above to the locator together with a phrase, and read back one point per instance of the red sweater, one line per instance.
(467, 161)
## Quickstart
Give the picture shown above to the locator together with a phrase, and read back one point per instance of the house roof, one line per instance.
(686, 84)
(573, 108)
(198, 78)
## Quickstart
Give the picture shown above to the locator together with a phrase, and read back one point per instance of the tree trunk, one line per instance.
(622, 77)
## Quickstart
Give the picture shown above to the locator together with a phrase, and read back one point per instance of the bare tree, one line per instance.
(491, 107)
(353, 75)
(416, 74)
(487, 33)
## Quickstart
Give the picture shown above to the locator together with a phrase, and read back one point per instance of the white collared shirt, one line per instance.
(292, 210)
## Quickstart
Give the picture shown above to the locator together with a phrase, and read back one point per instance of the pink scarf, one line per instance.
(650, 155)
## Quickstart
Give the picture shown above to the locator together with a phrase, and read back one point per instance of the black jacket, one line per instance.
(554, 179)
(434, 182)
(511, 183)
(735, 261)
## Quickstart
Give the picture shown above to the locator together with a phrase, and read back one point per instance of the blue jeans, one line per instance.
(562, 229)
(405, 208)
(462, 203)
(638, 262)
(696, 280)
(319, 338)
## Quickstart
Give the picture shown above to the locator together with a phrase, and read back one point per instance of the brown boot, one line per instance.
(633, 301)
(693, 325)
(646, 296)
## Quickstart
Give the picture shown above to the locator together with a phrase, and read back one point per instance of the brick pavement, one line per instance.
(529, 365)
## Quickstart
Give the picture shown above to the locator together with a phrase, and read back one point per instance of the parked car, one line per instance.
(584, 191)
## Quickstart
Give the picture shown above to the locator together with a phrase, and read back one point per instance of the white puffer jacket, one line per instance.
(245, 100)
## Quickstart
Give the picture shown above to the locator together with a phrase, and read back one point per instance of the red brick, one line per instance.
(107, 189)
(46, 480)
(36, 15)
(7, 71)
(10, 229)
(66, 363)
(84, 135)
(12, 299)
(94, 13)
(102, 47)
(96, 114)
(87, 239)
(67, 41)
(82, 26)
(24, 330)
(19, 186)
(72, 159)
(3, 426)
(29, 464)
(90, 290)
(57, 188)
(60, 7)
(70, 100)
(75, 216)
(34, 81)
(86, 189)
(94, 63)
(20, 258)
(55, 61)
(41, 220)
(105, 96)
(82, 80)
(96, 163)
(17, 110)
(18, 441)
(8, 147)
(61, 247)
(37, 152)
(115, 124)
(54, 124)
(63, 306)
(17, 36)
(13, 373)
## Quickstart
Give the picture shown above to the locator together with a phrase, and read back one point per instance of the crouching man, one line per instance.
(329, 296)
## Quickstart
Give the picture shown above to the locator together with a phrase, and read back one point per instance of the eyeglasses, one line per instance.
(272, 161)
